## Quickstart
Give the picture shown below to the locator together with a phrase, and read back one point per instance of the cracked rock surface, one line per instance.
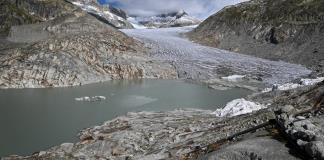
(256, 148)
(303, 119)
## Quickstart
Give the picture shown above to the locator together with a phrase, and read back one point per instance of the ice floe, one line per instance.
(238, 107)
(91, 99)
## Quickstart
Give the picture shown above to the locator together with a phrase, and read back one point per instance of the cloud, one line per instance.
(198, 8)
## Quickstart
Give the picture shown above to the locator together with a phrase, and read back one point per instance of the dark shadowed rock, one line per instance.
(117, 11)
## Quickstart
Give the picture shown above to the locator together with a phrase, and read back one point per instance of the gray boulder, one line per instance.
(253, 149)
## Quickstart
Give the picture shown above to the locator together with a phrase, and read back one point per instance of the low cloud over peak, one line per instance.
(198, 8)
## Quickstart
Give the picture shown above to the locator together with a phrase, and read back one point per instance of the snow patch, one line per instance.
(100, 11)
(233, 78)
(289, 86)
(86, 7)
(238, 107)
(77, 4)
(309, 82)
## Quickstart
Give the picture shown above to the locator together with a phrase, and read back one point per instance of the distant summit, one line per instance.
(171, 19)
(177, 14)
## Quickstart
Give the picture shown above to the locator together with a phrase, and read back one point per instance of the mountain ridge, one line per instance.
(164, 20)
(106, 13)
(290, 30)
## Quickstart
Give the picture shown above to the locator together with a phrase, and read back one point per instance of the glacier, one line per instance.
(202, 63)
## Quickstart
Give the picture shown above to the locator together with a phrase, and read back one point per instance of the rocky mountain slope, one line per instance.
(68, 46)
(290, 30)
(18, 12)
(172, 19)
(108, 14)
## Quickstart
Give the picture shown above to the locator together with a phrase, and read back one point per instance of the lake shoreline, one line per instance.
(55, 115)
(187, 134)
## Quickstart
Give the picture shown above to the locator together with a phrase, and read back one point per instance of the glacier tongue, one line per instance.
(202, 63)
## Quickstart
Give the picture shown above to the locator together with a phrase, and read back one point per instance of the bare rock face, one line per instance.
(19, 12)
(117, 11)
(302, 120)
(264, 148)
(290, 30)
(74, 49)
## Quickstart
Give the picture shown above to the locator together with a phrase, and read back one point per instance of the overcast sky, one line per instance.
(198, 8)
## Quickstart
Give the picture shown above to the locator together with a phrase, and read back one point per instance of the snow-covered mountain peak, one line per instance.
(109, 14)
(176, 14)
(170, 19)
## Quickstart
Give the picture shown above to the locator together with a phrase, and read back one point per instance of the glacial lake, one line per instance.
(37, 119)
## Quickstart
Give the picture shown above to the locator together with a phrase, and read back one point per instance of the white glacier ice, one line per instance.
(308, 82)
(238, 107)
(234, 78)
(288, 86)
(194, 61)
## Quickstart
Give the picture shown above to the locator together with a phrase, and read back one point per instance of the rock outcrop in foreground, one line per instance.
(69, 47)
(304, 123)
(290, 30)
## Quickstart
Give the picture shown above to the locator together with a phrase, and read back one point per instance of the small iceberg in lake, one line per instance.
(91, 99)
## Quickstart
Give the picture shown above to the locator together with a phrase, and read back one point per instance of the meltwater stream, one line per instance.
(36, 119)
